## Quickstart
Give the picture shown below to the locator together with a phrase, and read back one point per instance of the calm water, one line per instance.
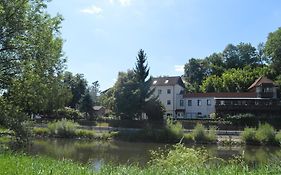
(97, 152)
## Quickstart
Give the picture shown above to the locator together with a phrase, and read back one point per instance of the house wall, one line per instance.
(164, 97)
(194, 110)
(174, 98)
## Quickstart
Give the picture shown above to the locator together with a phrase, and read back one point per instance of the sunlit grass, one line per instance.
(178, 160)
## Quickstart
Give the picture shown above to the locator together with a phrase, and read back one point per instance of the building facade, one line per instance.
(261, 98)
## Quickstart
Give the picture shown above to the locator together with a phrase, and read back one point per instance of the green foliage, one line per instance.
(154, 109)
(68, 113)
(77, 84)
(233, 80)
(173, 130)
(200, 134)
(63, 128)
(40, 131)
(126, 96)
(278, 137)
(195, 71)
(26, 165)
(265, 134)
(83, 133)
(243, 119)
(249, 135)
(178, 160)
(86, 105)
(12, 117)
(273, 49)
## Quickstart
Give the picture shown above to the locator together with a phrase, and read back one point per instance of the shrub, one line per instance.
(83, 133)
(40, 131)
(212, 134)
(278, 137)
(69, 113)
(63, 128)
(265, 134)
(199, 133)
(173, 130)
(243, 119)
(249, 135)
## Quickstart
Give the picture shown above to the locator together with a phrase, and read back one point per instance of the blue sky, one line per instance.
(102, 37)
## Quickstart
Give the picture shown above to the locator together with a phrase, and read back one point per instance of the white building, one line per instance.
(170, 92)
(261, 98)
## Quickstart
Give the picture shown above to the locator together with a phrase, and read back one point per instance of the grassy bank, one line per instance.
(171, 132)
(69, 129)
(178, 160)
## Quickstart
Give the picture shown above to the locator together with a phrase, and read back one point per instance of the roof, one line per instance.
(261, 80)
(167, 81)
(97, 108)
(221, 95)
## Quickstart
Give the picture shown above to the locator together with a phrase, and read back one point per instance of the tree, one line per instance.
(31, 60)
(234, 80)
(154, 109)
(273, 50)
(126, 95)
(195, 71)
(215, 64)
(77, 84)
(86, 104)
(144, 86)
(94, 92)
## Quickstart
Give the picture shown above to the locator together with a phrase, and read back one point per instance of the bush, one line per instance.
(278, 137)
(249, 135)
(199, 133)
(265, 134)
(83, 133)
(63, 128)
(68, 113)
(41, 131)
(243, 119)
(173, 130)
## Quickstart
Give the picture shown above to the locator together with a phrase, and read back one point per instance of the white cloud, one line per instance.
(123, 3)
(179, 68)
(92, 10)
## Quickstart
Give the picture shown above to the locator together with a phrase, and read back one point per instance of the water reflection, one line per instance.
(99, 152)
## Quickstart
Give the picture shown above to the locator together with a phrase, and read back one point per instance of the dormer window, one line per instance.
(166, 81)
(154, 82)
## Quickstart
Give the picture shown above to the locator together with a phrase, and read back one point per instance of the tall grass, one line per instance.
(264, 134)
(200, 134)
(178, 160)
(63, 128)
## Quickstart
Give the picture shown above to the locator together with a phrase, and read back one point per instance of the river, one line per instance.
(97, 153)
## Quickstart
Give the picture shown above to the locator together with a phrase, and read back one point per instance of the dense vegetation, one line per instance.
(236, 67)
(179, 160)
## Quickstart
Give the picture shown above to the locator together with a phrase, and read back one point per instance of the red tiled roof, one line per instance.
(222, 95)
(261, 80)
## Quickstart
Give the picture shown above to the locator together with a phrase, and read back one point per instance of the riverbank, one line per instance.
(177, 160)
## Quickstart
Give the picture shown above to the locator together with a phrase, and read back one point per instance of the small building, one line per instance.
(99, 110)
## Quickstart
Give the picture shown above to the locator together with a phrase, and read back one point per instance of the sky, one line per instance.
(103, 37)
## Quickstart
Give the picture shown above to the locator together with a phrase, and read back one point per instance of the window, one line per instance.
(199, 102)
(189, 102)
(159, 91)
(209, 102)
(168, 91)
(181, 102)
(168, 102)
